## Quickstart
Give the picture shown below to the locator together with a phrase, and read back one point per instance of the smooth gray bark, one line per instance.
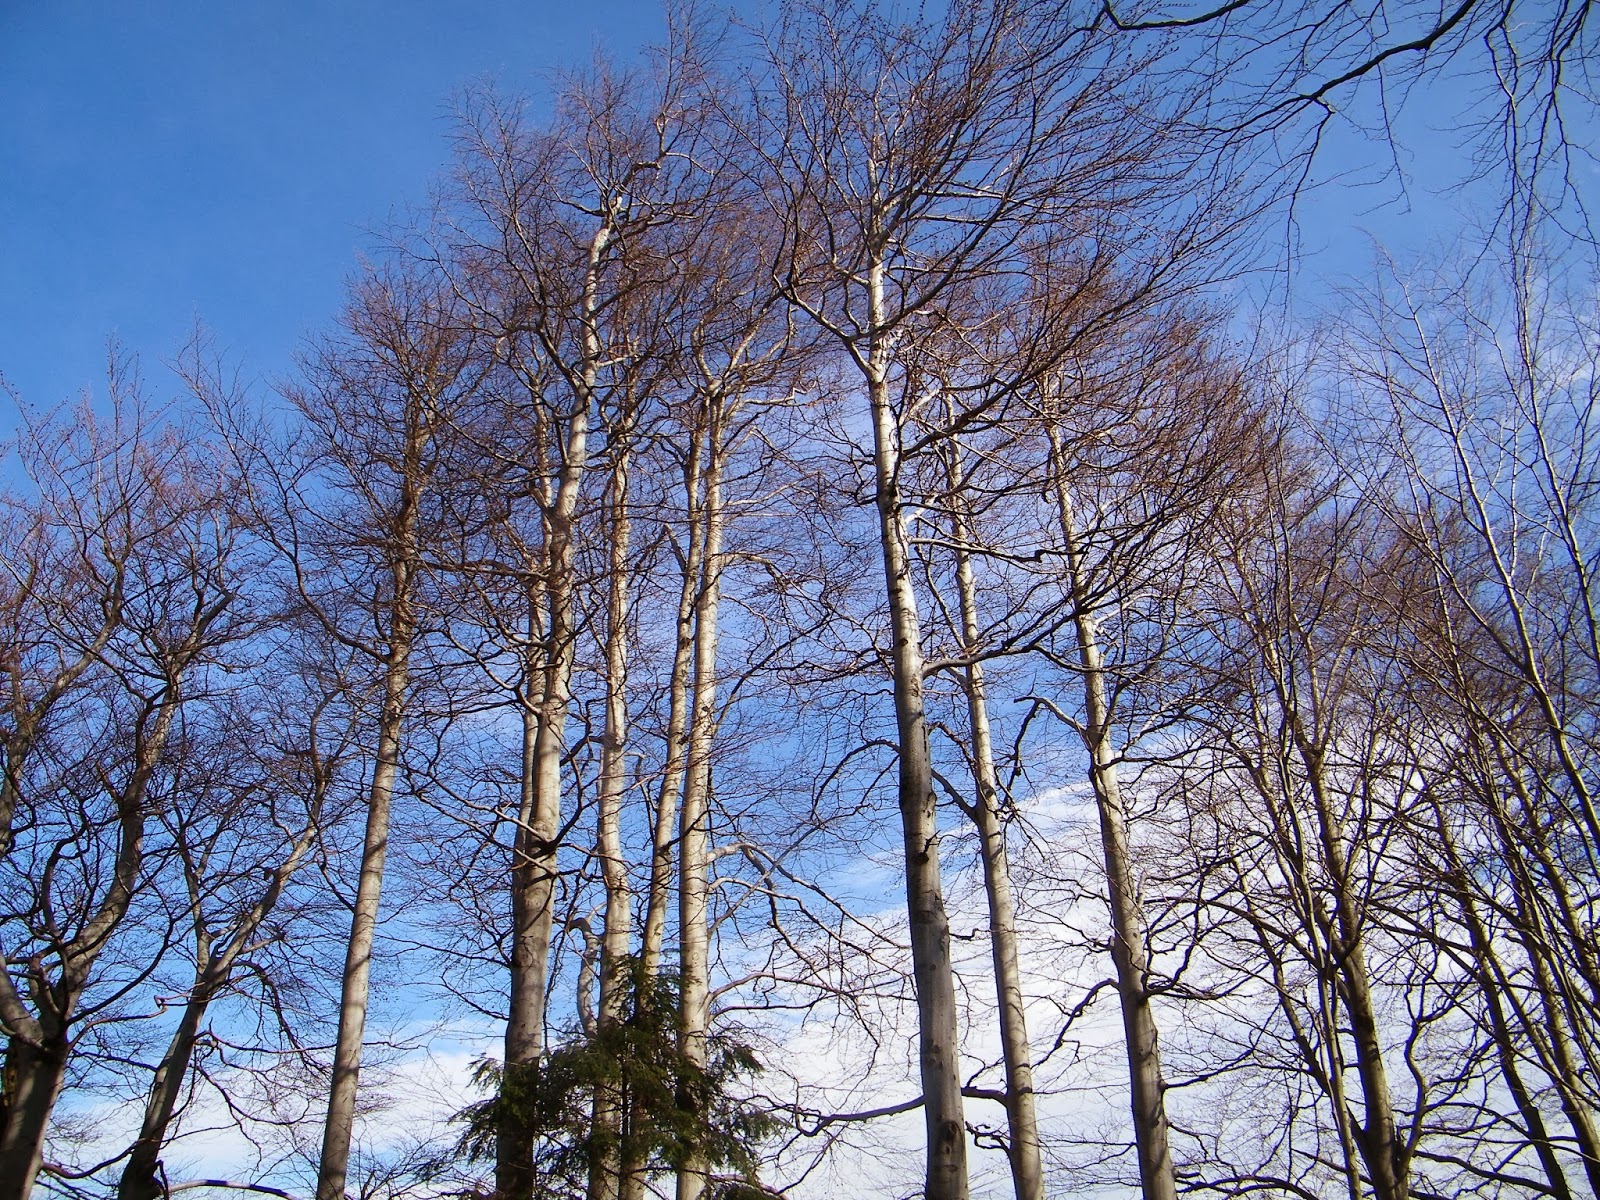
(339, 1127)
(534, 865)
(1027, 1170)
(1129, 956)
(616, 939)
(932, 966)
(670, 795)
(694, 935)
(404, 557)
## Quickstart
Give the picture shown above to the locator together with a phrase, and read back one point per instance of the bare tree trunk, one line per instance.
(1494, 987)
(1027, 1172)
(694, 935)
(139, 1179)
(1337, 938)
(531, 919)
(605, 1171)
(35, 1067)
(1323, 1056)
(1539, 892)
(932, 966)
(1128, 953)
(664, 834)
(1557, 1045)
(1343, 933)
(666, 815)
(383, 319)
(1380, 1147)
(339, 1127)
(37, 1048)
(534, 866)
(139, 1176)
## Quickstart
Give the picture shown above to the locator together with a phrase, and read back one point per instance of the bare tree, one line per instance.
(348, 504)
(117, 595)
(986, 814)
(1482, 470)
(1143, 430)
(574, 255)
(1308, 744)
(253, 810)
(910, 161)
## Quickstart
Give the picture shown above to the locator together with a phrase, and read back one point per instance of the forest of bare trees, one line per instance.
(824, 624)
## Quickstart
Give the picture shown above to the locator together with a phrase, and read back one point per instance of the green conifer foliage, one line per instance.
(673, 1111)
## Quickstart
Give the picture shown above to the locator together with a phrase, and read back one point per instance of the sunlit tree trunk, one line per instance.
(616, 940)
(1129, 954)
(1027, 1172)
(534, 853)
(669, 796)
(399, 333)
(932, 965)
(1301, 641)
(339, 1127)
(694, 934)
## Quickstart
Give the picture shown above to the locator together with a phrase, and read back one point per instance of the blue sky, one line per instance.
(171, 161)
(167, 161)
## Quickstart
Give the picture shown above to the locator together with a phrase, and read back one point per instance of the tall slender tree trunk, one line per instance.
(1027, 1171)
(663, 837)
(531, 887)
(1376, 1134)
(1340, 934)
(534, 854)
(1382, 1152)
(616, 941)
(339, 1127)
(533, 879)
(694, 935)
(1492, 984)
(1540, 899)
(664, 850)
(932, 966)
(1566, 1075)
(1152, 1133)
